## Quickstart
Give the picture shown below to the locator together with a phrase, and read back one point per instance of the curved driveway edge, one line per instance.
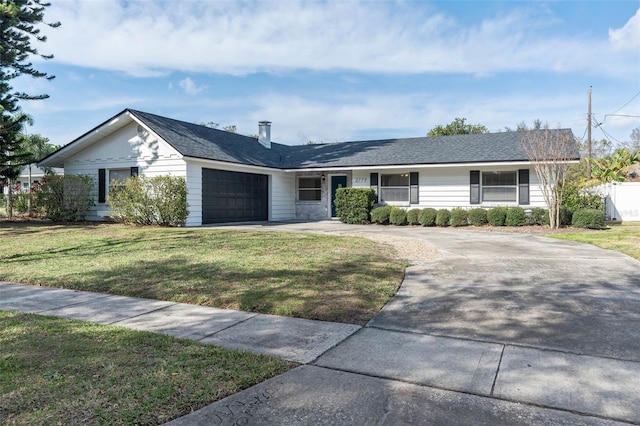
(510, 317)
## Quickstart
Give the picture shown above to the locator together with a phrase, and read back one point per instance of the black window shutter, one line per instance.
(413, 188)
(134, 172)
(373, 182)
(474, 184)
(523, 186)
(102, 185)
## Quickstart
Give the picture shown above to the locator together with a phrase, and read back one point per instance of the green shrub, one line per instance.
(575, 197)
(428, 217)
(413, 216)
(380, 215)
(588, 218)
(160, 200)
(353, 205)
(539, 216)
(478, 217)
(66, 198)
(497, 216)
(398, 216)
(443, 217)
(566, 216)
(516, 216)
(21, 202)
(459, 217)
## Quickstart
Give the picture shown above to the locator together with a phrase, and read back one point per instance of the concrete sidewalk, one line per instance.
(293, 339)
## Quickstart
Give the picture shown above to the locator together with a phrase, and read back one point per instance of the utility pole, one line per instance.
(589, 138)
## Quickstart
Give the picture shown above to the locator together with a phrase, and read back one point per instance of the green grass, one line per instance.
(64, 372)
(624, 238)
(330, 278)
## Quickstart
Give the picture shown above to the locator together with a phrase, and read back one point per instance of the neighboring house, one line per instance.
(29, 176)
(232, 178)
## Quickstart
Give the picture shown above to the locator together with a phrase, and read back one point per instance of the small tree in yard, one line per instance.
(550, 151)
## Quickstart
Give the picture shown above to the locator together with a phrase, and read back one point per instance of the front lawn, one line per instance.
(61, 372)
(624, 238)
(343, 279)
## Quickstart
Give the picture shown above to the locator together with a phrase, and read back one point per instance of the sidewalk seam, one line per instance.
(495, 379)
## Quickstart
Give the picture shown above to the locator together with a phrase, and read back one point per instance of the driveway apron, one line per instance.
(501, 329)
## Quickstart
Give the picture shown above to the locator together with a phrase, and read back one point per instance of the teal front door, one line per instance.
(336, 182)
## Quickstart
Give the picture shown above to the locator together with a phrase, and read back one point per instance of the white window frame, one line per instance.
(514, 186)
(407, 187)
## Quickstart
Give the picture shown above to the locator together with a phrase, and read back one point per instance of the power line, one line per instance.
(613, 114)
(630, 100)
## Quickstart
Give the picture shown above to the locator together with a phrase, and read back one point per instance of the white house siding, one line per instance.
(448, 187)
(125, 148)
(282, 205)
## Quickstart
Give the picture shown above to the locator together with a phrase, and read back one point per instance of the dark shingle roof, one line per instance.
(198, 141)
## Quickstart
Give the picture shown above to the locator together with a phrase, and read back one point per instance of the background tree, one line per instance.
(523, 126)
(549, 151)
(615, 167)
(18, 29)
(457, 127)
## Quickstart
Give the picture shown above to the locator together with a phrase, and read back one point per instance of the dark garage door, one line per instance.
(234, 196)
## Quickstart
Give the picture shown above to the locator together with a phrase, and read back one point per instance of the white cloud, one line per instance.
(627, 37)
(190, 87)
(154, 38)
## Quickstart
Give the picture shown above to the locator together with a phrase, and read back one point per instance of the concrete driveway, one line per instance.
(500, 329)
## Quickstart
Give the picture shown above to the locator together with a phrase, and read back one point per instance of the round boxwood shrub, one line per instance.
(398, 216)
(588, 218)
(516, 216)
(413, 217)
(478, 217)
(380, 215)
(459, 217)
(443, 217)
(539, 216)
(497, 216)
(428, 217)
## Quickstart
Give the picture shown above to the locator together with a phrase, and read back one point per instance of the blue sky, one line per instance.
(330, 71)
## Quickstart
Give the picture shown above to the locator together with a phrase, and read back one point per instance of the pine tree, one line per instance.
(19, 20)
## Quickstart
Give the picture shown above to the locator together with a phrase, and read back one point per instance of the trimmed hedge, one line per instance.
(516, 216)
(478, 217)
(459, 217)
(497, 216)
(428, 217)
(566, 216)
(588, 218)
(159, 200)
(380, 215)
(413, 216)
(443, 217)
(398, 216)
(353, 205)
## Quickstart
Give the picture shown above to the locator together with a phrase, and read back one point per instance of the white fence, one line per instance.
(622, 201)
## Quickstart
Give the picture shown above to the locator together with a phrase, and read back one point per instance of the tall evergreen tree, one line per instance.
(19, 21)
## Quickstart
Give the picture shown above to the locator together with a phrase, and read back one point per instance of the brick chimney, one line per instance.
(264, 133)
